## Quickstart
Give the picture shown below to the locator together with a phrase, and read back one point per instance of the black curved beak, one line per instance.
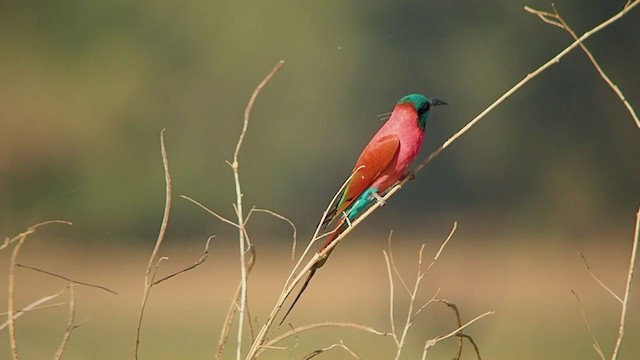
(436, 102)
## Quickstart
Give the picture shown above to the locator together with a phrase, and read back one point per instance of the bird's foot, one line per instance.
(347, 220)
(378, 198)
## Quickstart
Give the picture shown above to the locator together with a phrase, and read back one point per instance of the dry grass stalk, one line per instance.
(154, 262)
(71, 325)
(19, 240)
(36, 305)
(411, 316)
(557, 20)
(71, 281)
(151, 271)
(341, 345)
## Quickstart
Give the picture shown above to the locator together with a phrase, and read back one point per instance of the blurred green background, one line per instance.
(86, 87)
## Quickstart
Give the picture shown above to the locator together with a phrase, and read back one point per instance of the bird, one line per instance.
(382, 163)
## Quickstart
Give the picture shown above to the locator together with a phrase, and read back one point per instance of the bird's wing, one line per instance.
(375, 157)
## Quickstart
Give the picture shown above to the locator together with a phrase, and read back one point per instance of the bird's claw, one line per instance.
(378, 199)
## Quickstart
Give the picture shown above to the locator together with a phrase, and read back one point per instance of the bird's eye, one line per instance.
(424, 109)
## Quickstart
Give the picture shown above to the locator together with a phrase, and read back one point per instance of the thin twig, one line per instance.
(33, 306)
(594, 341)
(473, 343)
(557, 20)
(67, 279)
(70, 322)
(220, 217)
(233, 308)
(394, 267)
(597, 279)
(202, 258)
(627, 288)
(295, 331)
(283, 218)
(391, 298)
(432, 342)
(456, 311)
(420, 273)
(238, 204)
(20, 239)
(151, 271)
(442, 246)
(412, 300)
(333, 346)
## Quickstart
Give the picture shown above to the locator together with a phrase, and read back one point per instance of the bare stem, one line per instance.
(19, 239)
(151, 270)
(627, 289)
(67, 279)
(557, 20)
(594, 341)
(239, 212)
(33, 306)
(70, 322)
(432, 342)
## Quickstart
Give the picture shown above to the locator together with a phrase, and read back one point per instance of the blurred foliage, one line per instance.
(86, 87)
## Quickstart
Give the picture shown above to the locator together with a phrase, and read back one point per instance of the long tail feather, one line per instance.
(304, 286)
(338, 230)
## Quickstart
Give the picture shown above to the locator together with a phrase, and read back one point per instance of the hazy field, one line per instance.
(536, 316)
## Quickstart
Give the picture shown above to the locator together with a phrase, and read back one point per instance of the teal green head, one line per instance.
(422, 105)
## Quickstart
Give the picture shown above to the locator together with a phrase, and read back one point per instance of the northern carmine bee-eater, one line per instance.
(382, 163)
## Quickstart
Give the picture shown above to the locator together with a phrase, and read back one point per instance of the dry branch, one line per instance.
(233, 308)
(341, 345)
(151, 271)
(238, 205)
(33, 306)
(197, 263)
(67, 279)
(594, 341)
(71, 325)
(557, 20)
(19, 240)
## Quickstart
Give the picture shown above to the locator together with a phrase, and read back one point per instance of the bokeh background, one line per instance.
(86, 87)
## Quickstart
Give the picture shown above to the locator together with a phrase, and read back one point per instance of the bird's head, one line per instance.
(422, 105)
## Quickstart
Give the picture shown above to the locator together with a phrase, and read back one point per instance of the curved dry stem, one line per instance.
(594, 341)
(341, 345)
(33, 306)
(19, 240)
(233, 308)
(151, 272)
(597, 279)
(197, 263)
(70, 322)
(627, 288)
(393, 265)
(432, 342)
(557, 20)
(241, 223)
(285, 219)
(295, 331)
(411, 315)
